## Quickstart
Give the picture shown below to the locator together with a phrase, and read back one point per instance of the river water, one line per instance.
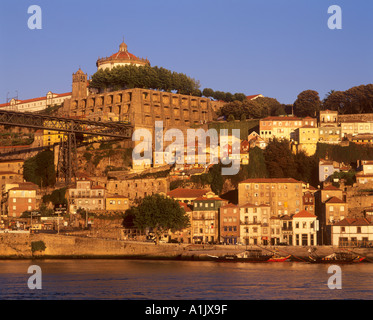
(182, 280)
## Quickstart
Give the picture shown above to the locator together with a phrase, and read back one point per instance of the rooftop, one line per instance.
(186, 193)
(335, 200)
(304, 214)
(271, 180)
(354, 222)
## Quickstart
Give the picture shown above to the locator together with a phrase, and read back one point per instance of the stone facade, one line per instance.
(283, 195)
(135, 189)
(140, 107)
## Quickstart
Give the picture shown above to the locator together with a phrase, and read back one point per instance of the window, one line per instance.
(358, 230)
(331, 208)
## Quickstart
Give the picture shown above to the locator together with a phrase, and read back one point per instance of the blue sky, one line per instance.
(276, 48)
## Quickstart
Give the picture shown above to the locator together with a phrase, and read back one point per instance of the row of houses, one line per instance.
(214, 220)
(274, 211)
(305, 133)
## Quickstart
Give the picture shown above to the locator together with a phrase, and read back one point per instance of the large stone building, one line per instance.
(135, 189)
(284, 195)
(140, 107)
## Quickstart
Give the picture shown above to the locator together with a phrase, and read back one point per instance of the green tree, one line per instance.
(40, 169)
(257, 166)
(208, 92)
(231, 118)
(216, 178)
(308, 103)
(161, 214)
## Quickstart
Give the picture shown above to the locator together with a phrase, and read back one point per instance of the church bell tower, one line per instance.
(80, 84)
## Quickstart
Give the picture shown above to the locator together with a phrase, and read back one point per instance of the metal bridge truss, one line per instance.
(70, 128)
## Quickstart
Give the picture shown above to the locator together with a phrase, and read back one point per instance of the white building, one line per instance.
(254, 224)
(35, 104)
(305, 227)
(86, 196)
(352, 231)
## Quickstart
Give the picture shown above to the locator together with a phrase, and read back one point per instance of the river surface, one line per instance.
(182, 280)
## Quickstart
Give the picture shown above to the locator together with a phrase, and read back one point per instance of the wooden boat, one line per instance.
(279, 259)
(337, 258)
(246, 256)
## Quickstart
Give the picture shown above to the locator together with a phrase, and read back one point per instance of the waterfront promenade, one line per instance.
(18, 246)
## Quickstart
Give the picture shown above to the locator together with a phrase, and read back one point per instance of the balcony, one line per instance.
(203, 218)
(248, 222)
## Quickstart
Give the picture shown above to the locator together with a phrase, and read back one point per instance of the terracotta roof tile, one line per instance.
(304, 214)
(335, 200)
(186, 193)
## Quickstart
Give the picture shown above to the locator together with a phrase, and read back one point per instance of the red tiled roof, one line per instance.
(252, 96)
(36, 99)
(186, 193)
(304, 214)
(124, 55)
(207, 199)
(353, 222)
(98, 187)
(248, 205)
(185, 207)
(271, 180)
(334, 200)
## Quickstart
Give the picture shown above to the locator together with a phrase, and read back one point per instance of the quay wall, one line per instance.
(18, 246)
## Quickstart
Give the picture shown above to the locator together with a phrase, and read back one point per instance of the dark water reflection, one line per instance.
(175, 280)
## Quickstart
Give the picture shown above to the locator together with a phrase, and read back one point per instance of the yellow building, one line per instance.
(283, 195)
(307, 138)
(117, 203)
(283, 127)
(51, 137)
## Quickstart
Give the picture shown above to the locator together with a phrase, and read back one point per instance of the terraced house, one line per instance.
(205, 218)
(283, 195)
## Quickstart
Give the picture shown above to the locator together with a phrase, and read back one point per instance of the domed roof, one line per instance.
(122, 57)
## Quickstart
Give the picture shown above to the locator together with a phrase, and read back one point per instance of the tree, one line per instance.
(280, 160)
(217, 180)
(308, 103)
(231, 118)
(208, 92)
(263, 107)
(257, 166)
(40, 169)
(161, 214)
